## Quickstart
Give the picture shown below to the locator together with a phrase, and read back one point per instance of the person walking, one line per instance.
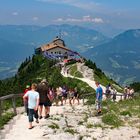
(76, 96)
(33, 102)
(25, 101)
(125, 92)
(99, 96)
(44, 98)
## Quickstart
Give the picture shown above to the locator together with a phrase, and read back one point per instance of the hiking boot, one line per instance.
(99, 112)
(47, 116)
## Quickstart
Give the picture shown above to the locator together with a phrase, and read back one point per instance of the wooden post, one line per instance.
(14, 105)
(121, 98)
(0, 107)
(83, 100)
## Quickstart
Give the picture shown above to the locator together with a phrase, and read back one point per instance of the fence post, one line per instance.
(83, 100)
(121, 98)
(14, 105)
(0, 107)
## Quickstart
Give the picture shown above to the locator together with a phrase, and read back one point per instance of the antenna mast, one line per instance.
(60, 34)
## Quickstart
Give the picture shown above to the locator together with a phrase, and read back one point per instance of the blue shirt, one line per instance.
(99, 93)
(32, 98)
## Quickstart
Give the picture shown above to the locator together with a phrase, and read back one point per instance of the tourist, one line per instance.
(52, 94)
(44, 98)
(64, 94)
(59, 95)
(71, 95)
(76, 96)
(99, 95)
(131, 93)
(26, 100)
(128, 92)
(108, 91)
(125, 92)
(33, 102)
(114, 93)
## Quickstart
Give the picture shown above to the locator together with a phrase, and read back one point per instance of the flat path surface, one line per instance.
(20, 129)
(72, 124)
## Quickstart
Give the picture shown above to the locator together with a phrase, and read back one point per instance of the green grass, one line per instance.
(105, 81)
(54, 126)
(126, 113)
(80, 123)
(89, 125)
(82, 87)
(73, 69)
(5, 118)
(74, 72)
(7, 104)
(112, 112)
(78, 74)
(98, 125)
(71, 131)
(112, 119)
(85, 117)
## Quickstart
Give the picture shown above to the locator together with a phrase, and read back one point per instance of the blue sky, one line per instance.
(118, 14)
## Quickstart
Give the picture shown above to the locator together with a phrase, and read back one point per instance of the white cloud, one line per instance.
(84, 4)
(15, 13)
(35, 18)
(87, 18)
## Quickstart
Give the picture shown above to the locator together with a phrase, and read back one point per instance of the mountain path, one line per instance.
(88, 77)
(65, 116)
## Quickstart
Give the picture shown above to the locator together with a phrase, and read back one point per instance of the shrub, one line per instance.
(89, 125)
(80, 123)
(78, 74)
(54, 126)
(71, 131)
(111, 119)
(5, 118)
(124, 113)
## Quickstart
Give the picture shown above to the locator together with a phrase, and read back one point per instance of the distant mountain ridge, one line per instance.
(119, 57)
(18, 41)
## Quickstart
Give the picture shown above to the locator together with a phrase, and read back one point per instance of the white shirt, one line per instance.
(32, 98)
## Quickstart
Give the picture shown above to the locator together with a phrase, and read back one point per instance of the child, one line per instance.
(33, 102)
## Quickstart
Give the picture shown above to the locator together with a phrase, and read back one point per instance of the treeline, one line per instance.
(99, 75)
(136, 86)
(34, 70)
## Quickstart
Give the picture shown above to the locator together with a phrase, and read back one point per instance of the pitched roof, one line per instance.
(53, 45)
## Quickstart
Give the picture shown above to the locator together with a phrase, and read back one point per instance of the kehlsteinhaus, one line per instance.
(56, 50)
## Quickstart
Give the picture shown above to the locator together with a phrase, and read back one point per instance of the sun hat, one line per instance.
(44, 81)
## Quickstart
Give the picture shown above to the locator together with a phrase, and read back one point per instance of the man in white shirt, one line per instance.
(33, 102)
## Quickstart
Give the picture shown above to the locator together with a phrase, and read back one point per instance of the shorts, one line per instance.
(65, 95)
(76, 95)
(31, 114)
(98, 104)
(59, 97)
(45, 104)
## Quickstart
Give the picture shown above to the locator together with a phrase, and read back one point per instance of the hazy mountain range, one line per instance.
(118, 57)
(18, 42)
